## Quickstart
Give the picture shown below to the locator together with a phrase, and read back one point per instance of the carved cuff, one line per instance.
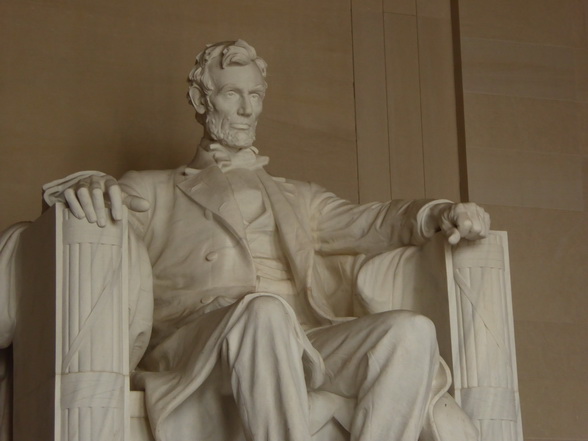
(53, 191)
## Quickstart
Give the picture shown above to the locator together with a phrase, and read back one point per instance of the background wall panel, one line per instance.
(407, 174)
(369, 67)
(418, 86)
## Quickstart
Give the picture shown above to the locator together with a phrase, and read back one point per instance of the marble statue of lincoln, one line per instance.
(244, 336)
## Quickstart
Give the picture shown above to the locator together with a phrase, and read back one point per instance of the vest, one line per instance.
(273, 272)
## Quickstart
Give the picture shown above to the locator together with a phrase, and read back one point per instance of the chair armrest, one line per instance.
(482, 334)
(71, 340)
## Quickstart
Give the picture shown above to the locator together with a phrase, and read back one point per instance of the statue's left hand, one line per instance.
(463, 221)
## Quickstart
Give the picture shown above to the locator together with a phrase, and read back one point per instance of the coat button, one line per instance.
(212, 256)
(206, 300)
(208, 214)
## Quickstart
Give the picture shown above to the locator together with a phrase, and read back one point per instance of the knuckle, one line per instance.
(109, 181)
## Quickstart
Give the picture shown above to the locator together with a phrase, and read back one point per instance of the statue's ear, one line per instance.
(198, 99)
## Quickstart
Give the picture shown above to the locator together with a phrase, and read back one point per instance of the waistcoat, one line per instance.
(273, 272)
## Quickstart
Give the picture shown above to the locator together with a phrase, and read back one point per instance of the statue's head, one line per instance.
(227, 87)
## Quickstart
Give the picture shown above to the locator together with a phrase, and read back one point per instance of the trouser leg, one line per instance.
(387, 361)
(262, 355)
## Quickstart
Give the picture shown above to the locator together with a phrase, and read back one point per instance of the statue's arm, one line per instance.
(88, 193)
(342, 227)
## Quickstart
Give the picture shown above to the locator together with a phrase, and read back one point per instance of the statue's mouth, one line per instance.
(241, 126)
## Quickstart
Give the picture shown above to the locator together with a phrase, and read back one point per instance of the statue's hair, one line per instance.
(231, 53)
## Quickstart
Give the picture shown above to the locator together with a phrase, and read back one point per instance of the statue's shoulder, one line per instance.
(309, 188)
(299, 185)
(304, 192)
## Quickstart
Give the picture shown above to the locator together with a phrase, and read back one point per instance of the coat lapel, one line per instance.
(211, 189)
(295, 237)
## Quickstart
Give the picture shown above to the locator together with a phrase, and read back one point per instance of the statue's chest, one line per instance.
(249, 194)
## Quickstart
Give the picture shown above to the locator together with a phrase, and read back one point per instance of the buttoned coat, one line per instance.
(195, 238)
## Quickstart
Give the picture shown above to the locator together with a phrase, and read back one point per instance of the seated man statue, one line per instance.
(241, 327)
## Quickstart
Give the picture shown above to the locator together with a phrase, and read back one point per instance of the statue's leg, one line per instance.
(388, 362)
(262, 353)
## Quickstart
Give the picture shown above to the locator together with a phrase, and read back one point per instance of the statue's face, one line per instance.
(235, 104)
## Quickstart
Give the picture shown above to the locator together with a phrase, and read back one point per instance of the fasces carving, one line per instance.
(94, 332)
(88, 351)
(484, 362)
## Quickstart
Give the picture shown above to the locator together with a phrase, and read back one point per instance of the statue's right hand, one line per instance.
(88, 198)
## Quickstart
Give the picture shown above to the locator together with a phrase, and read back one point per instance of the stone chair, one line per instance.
(71, 344)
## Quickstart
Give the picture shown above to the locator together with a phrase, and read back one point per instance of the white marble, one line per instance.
(244, 323)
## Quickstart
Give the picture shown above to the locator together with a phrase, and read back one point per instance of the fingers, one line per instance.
(466, 221)
(487, 223)
(85, 200)
(480, 222)
(97, 192)
(89, 198)
(116, 199)
(74, 205)
(468, 225)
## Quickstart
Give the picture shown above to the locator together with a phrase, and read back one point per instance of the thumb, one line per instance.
(136, 203)
(453, 235)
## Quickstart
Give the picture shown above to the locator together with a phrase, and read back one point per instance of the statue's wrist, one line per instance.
(434, 220)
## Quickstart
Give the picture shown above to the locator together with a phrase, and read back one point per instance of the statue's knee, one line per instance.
(411, 327)
(263, 324)
(266, 311)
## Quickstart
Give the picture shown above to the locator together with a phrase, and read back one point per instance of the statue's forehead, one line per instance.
(248, 75)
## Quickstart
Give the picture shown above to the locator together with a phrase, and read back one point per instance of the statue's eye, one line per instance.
(230, 94)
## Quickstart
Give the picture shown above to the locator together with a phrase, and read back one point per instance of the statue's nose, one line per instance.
(245, 109)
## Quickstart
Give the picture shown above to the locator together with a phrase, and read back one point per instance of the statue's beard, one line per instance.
(219, 128)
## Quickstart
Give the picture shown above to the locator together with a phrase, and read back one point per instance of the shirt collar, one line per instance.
(212, 153)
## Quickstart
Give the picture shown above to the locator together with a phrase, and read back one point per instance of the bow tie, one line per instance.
(245, 158)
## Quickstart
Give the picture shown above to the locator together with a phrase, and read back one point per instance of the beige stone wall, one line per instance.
(101, 85)
(525, 78)
(407, 121)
